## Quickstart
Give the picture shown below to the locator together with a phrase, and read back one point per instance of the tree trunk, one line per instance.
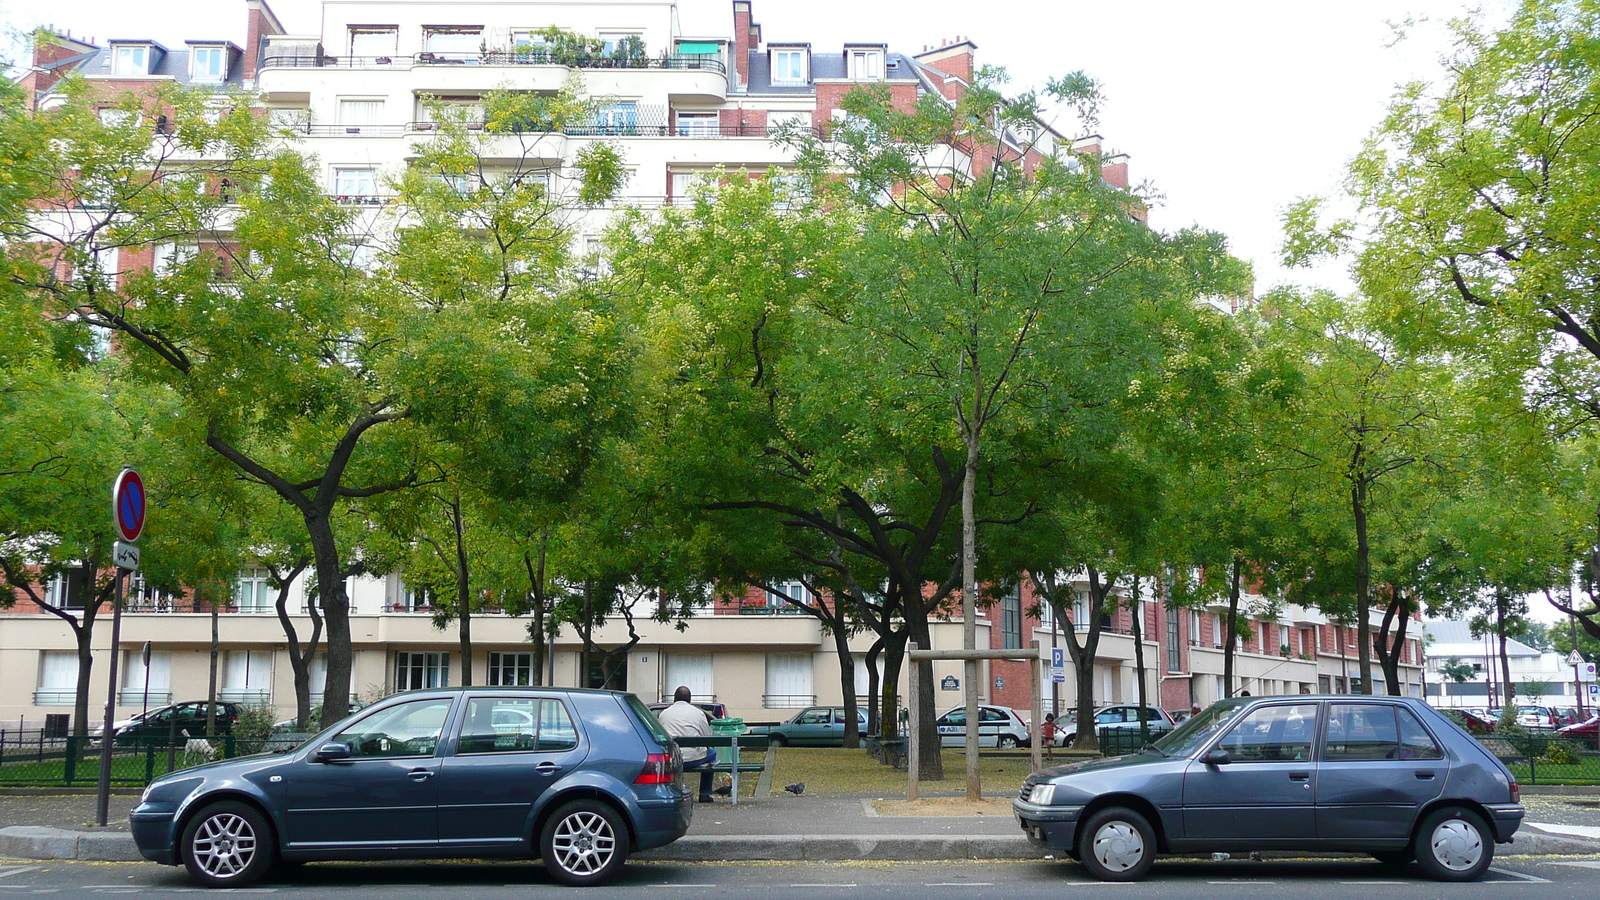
(335, 614)
(1230, 636)
(300, 658)
(211, 686)
(969, 594)
(847, 685)
(537, 598)
(463, 592)
(1358, 504)
(1391, 639)
(80, 700)
(1137, 615)
(875, 712)
(930, 767)
(1510, 689)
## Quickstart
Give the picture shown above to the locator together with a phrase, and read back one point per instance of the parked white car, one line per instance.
(998, 726)
(1120, 716)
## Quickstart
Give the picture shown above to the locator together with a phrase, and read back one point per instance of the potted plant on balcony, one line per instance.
(629, 52)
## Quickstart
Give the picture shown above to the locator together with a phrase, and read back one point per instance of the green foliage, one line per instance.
(1456, 670)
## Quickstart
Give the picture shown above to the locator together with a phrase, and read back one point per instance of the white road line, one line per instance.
(1531, 879)
(18, 871)
(685, 885)
(1580, 863)
(960, 884)
(1094, 883)
(1374, 882)
(1242, 881)
(832, 885)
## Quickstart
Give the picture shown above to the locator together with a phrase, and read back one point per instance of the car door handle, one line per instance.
(1424, 776)
(419, 775)
(547, 768)
(1299, 776)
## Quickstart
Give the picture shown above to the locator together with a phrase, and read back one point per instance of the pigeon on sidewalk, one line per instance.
(798, 788)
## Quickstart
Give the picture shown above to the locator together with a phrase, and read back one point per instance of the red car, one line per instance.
(1587, 729)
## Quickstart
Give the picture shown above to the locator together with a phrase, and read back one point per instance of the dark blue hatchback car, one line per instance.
(1388, 776)
(577, 778)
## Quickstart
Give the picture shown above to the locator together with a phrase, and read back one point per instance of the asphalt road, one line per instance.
(1519, 879)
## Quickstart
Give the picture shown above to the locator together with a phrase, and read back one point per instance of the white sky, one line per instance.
(1230, 109)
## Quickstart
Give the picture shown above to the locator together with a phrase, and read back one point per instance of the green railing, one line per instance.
(1123, 741)
(75, 762)
(1546, 759)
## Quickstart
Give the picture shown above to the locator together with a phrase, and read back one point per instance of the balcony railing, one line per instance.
(247, 696)
(787, 701)
(55, 697)
(140, 698)
(534, 57)
(771, 609)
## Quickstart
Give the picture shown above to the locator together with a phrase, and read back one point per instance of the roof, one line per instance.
(824, 66)
(1450, 638)
(170, 63)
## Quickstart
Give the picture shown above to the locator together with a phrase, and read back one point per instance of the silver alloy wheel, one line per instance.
(1456, 845)
(1118, 846)
(584, 843)
(224, 845)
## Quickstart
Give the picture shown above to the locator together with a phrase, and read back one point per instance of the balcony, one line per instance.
(492, 58)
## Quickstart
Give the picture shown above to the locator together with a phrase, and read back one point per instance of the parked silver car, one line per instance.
(998, 726)
(1388, 776)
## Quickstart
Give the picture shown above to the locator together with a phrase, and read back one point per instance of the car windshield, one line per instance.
(1199, 729)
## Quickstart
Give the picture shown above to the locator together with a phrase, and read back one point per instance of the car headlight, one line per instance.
(1042, 794)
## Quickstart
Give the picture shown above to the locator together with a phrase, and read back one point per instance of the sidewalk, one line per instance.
(785, 827)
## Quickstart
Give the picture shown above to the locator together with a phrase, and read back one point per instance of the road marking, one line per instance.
(1374, 882)
(960, 884)
(1242, 881)
(18, 871)
(1094, 883)
(686, 885)
(1581, 864)
(1532, 879)
(823, 885)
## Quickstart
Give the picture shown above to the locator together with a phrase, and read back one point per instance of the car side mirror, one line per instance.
(1217, 757)
(333, 752)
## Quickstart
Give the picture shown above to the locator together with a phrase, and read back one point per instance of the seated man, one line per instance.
(684, 719)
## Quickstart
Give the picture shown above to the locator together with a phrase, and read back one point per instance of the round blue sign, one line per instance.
(127, 505)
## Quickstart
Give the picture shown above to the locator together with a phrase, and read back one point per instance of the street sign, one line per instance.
(1574, 658)
(1594, 690)
(1058, 674)
(950, 683)
(1586, 671)
(999, 683)
(127, 505)
(125, 556)
(1058, 658)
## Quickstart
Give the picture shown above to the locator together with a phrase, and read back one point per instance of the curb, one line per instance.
(37, 842)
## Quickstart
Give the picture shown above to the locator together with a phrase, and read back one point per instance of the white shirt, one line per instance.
(684, 719)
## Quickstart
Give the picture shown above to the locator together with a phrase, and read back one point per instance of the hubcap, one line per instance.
(1457, 845)
(1118, 846)
(224, 845)
(584, 843)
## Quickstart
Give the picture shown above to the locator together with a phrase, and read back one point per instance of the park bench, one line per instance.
(730, 762)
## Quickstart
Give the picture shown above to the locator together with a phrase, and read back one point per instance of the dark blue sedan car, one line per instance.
(577, 778)
(1388, 776)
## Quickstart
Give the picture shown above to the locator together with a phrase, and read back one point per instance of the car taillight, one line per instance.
(657, 769)
(1516, 792)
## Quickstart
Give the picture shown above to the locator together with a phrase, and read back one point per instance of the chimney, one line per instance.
(262, 22)
(50, 47)
(746, 40)
(954, 61)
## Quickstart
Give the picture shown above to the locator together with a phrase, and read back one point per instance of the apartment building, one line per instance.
(357, 90)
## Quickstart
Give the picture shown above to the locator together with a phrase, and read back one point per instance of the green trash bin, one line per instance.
(727, 727)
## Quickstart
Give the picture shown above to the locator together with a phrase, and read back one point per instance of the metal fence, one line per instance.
(1123, 741)
(35, 758)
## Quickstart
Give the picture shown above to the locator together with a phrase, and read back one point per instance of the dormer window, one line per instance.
(865, 63)
(372, 42)
(131, 59)
(790, 65)
(453, 42)
(208, 64)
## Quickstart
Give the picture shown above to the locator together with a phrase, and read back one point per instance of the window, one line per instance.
(414, 671)
(116, 118)
(508, 669)
(862, 673)
(680, 185)
(58, 678)
(526, 39)
(133, 60)
(141, 595)
(698, 125)
(692, 670)
(865, 65)
(371, 43)
(610, 39)
(780, 121)
(454, 42)
(510, 724)
(1080, 610)
(1194, 628)
(788, 681)
(1361, 731)
(208, 64)
(1011, 620)
(252, 591)
(1047, 614)
(413, 598)
(781, 595)
(618, 118)
(133, 678)
(360, 112)
(466, 109)
(360, 183)
(1273, 734)
(789, 66)
(247, 677)
(296, 118)
(67, 589)
(406, 729)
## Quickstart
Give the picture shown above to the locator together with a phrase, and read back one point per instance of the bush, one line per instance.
(1559, 753)
(253, 727)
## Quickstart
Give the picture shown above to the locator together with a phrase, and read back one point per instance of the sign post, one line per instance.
(127, 515)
